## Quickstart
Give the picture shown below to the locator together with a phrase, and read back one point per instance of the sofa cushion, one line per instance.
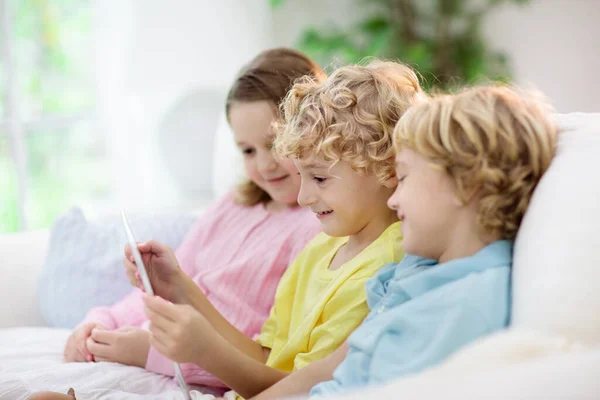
(556, 269)
(83, 266)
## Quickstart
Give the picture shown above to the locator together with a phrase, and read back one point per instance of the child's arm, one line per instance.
(301, 381)
(128, 311)
(194, 297)
(182, 334)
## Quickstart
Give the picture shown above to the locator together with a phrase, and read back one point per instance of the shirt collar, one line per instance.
(416, 276)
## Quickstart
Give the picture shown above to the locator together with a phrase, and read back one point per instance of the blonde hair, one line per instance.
(493, 141)
(267, 77)
(349, 117)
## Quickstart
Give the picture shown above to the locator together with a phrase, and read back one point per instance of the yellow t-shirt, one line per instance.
(316, 308)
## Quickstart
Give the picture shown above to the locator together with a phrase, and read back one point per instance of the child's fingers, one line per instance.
(81, 347)
(144, 247)
(158, 322)
(98, 349)
(133, 274)
(160, 307)
(104, 336)
(127, 251)
(158, 341)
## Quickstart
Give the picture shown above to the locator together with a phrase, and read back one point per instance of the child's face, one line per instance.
(426, 203)
(342, 199)
(251, 124)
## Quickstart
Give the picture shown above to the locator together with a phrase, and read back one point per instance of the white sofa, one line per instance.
(550, 352)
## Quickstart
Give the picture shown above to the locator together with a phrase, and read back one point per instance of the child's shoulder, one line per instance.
(387, 248)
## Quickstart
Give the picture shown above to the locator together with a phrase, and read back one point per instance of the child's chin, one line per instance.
(334, 231)
(289, 200)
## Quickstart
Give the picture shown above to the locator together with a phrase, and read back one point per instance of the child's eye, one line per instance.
(319, 180)
(401, 178)
(247, 152)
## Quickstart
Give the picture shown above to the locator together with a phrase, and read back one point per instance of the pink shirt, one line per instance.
(236, 255)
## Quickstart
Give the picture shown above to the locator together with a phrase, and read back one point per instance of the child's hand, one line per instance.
(179, 332)
(129, 346)
(161, 265)
(76, 349)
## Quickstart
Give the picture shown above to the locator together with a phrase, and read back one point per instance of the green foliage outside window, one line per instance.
(52, 47)
(442, 39)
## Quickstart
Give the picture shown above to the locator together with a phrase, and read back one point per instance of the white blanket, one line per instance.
(31, 360)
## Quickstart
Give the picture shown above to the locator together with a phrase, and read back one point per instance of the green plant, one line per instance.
(51, 45)
(442, 39)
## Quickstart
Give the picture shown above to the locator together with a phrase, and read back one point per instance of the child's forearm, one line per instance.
(193, 296)
(237, 370)
(301, 381)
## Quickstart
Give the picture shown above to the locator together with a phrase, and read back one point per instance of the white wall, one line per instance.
(554, 45)
(163, 69)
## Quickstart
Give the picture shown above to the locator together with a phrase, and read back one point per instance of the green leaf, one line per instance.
(374, 25)
(380, 43)
(276, 3)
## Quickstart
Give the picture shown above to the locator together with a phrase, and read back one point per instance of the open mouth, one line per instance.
(323, 214)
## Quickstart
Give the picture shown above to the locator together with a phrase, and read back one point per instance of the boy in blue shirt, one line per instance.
(466, 166)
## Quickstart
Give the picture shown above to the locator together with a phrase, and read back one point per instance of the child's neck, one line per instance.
(372, 230)
(464, 241)
(361, 240)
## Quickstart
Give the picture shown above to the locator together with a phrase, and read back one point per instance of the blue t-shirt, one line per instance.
(421, 312)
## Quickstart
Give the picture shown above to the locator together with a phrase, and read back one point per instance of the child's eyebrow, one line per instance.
(315, 166)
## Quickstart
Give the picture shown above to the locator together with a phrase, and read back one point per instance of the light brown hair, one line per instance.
(269, 76)
(494, 141)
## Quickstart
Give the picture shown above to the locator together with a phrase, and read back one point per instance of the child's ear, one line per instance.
(391, 182)
(469, 196)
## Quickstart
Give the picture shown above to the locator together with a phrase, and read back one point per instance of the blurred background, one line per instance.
(107, 103)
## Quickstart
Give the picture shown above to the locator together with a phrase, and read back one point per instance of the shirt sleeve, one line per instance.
(344, 312)
(192, 373)
(127, 312)
(279, 317)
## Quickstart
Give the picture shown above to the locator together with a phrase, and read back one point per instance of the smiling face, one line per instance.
(342, 199)
(251, 124)
(425, 201)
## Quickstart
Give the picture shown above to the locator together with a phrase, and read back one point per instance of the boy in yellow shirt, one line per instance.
(339, 135)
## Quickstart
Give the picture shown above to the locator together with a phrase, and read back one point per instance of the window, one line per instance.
(52, 154)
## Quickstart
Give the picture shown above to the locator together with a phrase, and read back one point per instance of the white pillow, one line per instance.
(83, 266)
(556, 269)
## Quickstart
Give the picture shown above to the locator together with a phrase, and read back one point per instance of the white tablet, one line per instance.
(148, 287)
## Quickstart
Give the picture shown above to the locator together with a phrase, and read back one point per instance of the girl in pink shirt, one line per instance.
(238, 250)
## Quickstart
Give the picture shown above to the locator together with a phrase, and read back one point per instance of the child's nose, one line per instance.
(267, 163)
(393, 202)
(305, 197)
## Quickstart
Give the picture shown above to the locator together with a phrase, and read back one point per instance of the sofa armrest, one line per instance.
(21, 259)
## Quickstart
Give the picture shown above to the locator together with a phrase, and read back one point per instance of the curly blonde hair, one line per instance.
(493, 141)
(349, 117)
